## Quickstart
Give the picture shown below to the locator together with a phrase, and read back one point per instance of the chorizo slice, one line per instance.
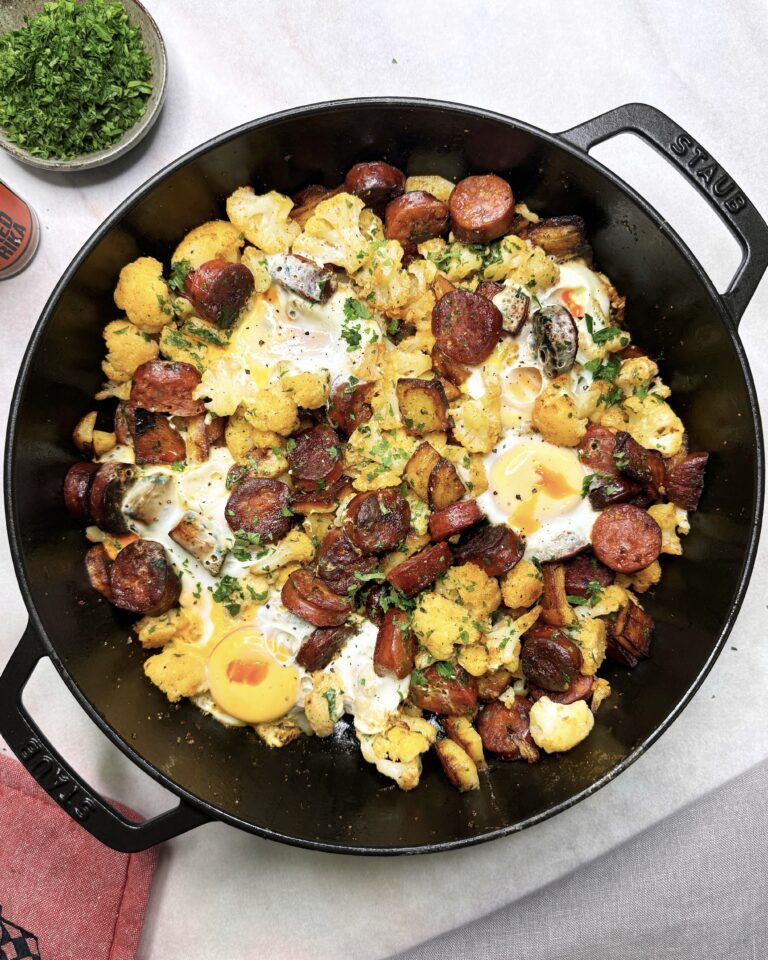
(154, 439)
(259, 506)
(419, 571)
(626, 538)
(550, 659)
(556, 340)
(596, 451)
(309, 598)
(338, 563)
(315, 460)
(142, 579)
(320, 501)
(506, 730)
(308, 279)
(77, 489)
(219, 290)
(584, 570)
(105, 500)
(374, 605)
(97, 568)
(444, 688)
(454, 519)
(580, 689)
(165, 386)
(644, 466)
(605, 491)
(466, 326)
(350, 405)
(491, 685)
(482, 208)
(684, 480)
(495, 549)
(415, 217)
(489, 289)
(375, 182)
(122, 429)
(395, 646)
(378, 521)
(321, 646)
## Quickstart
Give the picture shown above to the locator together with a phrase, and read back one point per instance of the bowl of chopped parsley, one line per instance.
(81, 81)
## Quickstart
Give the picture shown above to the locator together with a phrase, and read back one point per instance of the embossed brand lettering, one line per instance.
(55, 781)
(701, 166)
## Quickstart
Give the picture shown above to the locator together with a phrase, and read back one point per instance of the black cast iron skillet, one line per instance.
(319, 793)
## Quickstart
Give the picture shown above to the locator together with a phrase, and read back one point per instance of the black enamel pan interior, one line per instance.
(320, 793)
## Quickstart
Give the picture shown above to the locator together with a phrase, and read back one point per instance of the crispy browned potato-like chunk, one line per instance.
(419, 467)
(561, 237)
(423, 405)
(457, 765)
(555, 609)
(445, 486)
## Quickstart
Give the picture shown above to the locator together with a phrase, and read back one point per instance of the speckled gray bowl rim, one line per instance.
(131, 137)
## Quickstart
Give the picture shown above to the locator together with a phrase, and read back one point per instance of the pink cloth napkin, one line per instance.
(64, 895)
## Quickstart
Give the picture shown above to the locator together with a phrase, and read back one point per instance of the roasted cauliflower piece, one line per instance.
(556, 727)
(644, 579)
(272, 409)
(522, 585)
(440, 624)
(555, 415)
(127, 348)
(673, 520)
(143, 295)
(263, 219)
(589, 635)
(324, 704)
(650, 420)
(333, 235)
(215, 240)
(474, 658)
(439, 187)
(457, 765)
(635, 374)
(178, 623)
(472, 588)
(177, 673)
(309, 390)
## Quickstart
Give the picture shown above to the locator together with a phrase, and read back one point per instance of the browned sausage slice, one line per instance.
(419, 571)
(549, 658)
(320, 501)
(506, 731)
(309, 598)
(626, 538)
(97, 568)
(639, 464)
(482, 208)
(310, 280)
(219, 290)
(378, 521)
(321, 646)
(154, 439)
(77, 490)
(596, 451)
(580, 689)
(685, 480)
(415, 217)
(315, 460)
(454, 519)
(350, 405)
(495, 549)
(375, 182)
(259, 506)
(583, 570)
(340, 565)
(109, 486)
(449, 690)
(373, 603)
(491, 685)
(395, 646)
(164, 386)
(605, 491)
(466, 327)
(143, 580)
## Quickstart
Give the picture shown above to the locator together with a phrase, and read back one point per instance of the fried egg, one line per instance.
(536, 488)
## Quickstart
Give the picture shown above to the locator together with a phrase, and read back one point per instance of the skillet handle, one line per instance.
(710, 179)
(60, 781)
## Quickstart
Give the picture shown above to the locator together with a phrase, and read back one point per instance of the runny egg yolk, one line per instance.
(246, 680)
(535, 482)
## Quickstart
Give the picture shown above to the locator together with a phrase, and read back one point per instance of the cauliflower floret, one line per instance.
(294, 548)
(555, 415)
(611, 599)
(404, 740)
(589, 637)
(405, 775)
(636, 372)
(143, 294)
(475, 659)
(601, 690)
(241, 437)
(177, 673)
(324, 704)
(477, 423)
(439, 187)
(420, 513)
(456, 261)
(516, 260)
(215, 240)
(263, 219)
(333, 235)
(392, 290)
(642, 580)
(651, 422)
(522, 585)
(273, 409)
(440, 624)
(459, 767)
(127, 349)
(472, 588)
(376, 458)
(178, 623)
(309, 390)
(556, 727)
(672, 520)
(256, 262)
(279, 733)
(503, 641)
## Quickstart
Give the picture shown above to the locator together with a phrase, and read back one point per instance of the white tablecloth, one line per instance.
(552, 64)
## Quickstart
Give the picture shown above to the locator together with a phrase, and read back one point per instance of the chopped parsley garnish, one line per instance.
(330, 699)
(418, 679)
(445, 670)
(354, 312)
(586, 484)
(179, 271)
(604, 369)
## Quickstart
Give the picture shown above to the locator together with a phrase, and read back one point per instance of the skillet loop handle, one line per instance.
(716, 186)
(60, 781)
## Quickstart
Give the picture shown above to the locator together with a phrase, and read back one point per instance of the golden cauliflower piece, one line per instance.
(143, 294)
(503, 641)
(178, 623)
(440, 624)
(601, 690)
(405, 740)
(636, 372)
(672, 520)
(279, 733)
(456, 261)
(516, 260)
(376, 458)
(439, 187)
(642, 580)
(127, 349)
(176, 346)
(522, 585)
(324, 704)
(611, 599)
(471, 587)
(405, 775)
(294, 548)
(475, 659)
(333, 235)
(263, 219)
(272, 409)
(178, 674)
(458, 766)
(555, 415)
(461, 730)
(215, 240)
(391, 289)
(256, 262)
(477, 423)
(556, 727)
(650, 420)
(309, 390)
(590, 638)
